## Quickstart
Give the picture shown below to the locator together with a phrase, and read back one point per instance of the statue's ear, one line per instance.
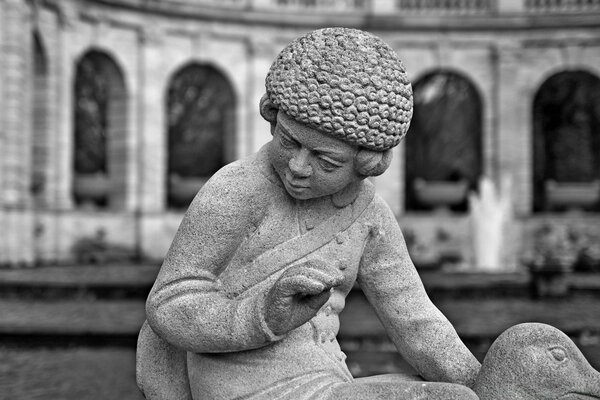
(268, 110)
(372, 163)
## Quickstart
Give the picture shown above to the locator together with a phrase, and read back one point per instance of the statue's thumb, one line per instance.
(316, 301)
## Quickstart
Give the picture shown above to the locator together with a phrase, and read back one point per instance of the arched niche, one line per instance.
(100, 153)
(40, 121)
(444, 142)
(200, 108)
(566, 137)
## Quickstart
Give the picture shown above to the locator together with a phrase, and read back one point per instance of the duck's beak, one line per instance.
(593, 385)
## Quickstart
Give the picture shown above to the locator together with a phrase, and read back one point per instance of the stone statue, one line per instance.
(246, 303)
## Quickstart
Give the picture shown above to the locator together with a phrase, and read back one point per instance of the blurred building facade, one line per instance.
(113, 111)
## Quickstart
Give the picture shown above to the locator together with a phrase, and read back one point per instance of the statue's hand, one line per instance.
(298, 295)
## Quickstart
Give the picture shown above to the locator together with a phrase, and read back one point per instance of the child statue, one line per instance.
(246, 303)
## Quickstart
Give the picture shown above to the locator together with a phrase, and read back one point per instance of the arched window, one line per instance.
(40, 123)
(100, 132)
(444, 143)
(200, 118)
(566, 134)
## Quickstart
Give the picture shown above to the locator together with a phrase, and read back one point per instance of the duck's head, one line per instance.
(536, 361)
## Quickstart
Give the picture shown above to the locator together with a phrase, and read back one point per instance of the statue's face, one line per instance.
(310, 164)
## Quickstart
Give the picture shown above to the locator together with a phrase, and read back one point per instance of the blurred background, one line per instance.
(113, 113)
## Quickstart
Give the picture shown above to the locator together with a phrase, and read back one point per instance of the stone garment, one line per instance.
(209, 300)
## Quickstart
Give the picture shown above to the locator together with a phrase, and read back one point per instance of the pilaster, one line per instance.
(15, 197)
(261, 55)
(16, 98)
(514, 139)
(152, 125)
(64, 133)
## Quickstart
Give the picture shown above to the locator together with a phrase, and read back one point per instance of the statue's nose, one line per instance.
(299, 164)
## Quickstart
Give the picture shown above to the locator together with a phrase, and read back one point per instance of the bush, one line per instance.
(566, 248)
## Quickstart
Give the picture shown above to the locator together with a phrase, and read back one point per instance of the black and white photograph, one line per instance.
(299, 199)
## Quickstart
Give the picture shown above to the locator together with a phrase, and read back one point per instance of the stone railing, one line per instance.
(552, 6)
(224, 3)
(322, 5)
(459, 7)
(415, 7)
(377, 8)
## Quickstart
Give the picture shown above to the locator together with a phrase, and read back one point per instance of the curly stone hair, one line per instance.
(344, 82)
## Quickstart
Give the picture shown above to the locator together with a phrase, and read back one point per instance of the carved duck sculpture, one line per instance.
(529, 361)
(535, 361)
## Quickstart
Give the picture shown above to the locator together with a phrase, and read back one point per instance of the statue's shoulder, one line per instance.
(248, 181)
(378, 206)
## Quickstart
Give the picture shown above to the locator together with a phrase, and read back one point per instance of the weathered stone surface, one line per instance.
(247, 301)
(387, 387)
(259, 270)
(535, 361)
(353, 87)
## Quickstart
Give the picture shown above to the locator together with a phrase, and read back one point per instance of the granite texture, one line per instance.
(535, 361)
(345, 82)
(246, 304)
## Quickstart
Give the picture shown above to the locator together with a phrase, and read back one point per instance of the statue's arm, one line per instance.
(187, 305)
(422, 334)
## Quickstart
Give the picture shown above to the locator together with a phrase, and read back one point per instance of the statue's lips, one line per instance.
(294, 185)
(297, 186)
(296, 190)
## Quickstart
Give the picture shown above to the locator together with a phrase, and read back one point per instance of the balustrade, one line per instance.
(333, 5)
(224, 3)
(461, 7)
(562, 5)
(395, 7)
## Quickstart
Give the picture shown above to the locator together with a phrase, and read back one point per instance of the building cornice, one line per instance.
(254, 12)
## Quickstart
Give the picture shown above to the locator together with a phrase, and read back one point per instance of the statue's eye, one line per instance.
(287, 142)
(328, 165)
(558, 353)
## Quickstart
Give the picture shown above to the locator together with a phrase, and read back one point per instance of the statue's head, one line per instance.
(346, 88)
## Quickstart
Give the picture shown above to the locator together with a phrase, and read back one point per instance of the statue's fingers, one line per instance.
(329, 276)
(302, 285)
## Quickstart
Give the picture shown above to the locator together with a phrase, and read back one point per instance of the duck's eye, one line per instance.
(558, 353)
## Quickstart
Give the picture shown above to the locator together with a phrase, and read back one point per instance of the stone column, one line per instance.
(15, 142)
(16, 99)
(64, 120)
(47, 29)
(152, 149)
(152, 138)
(3, 233)
(261, 55)
(45, 221)
(514, 138)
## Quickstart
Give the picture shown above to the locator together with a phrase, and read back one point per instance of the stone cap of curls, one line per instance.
(344, 82)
